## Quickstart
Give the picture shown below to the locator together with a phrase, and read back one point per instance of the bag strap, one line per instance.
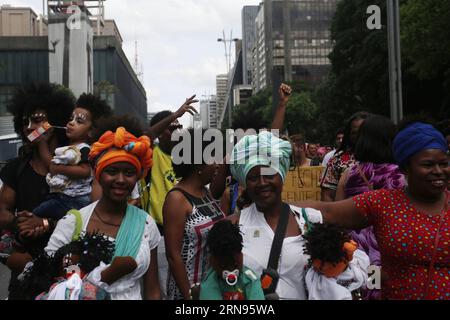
(78, 224)
(280, 232)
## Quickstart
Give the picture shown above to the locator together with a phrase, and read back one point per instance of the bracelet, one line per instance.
(46, 224)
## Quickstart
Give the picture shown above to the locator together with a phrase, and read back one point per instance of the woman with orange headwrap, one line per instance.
(119, 159)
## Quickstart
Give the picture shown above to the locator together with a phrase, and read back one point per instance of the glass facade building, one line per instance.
(297, 34)
(249, 14)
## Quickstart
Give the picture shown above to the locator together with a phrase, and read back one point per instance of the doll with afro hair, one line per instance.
(228, 278)
(65, 275)
(337, 269)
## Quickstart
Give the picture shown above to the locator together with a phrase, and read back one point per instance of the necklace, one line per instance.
(103, 221)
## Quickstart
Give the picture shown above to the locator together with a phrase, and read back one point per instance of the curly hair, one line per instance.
(95, 105)
(325, 242)
(224, 239)
(92, 249)
(159, 117)
(36, 279)
(40, 276)
(130, 123)
(55, 100)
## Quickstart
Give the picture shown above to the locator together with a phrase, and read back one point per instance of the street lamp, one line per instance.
(228, 41)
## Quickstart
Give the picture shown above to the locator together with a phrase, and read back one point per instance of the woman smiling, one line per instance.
(411, 225)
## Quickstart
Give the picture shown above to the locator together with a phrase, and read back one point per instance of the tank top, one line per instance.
(205, 212)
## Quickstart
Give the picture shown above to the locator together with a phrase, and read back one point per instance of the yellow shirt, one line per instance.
(162, 181)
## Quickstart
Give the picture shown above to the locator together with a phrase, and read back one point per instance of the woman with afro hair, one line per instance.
(24, 185)
(70, 175)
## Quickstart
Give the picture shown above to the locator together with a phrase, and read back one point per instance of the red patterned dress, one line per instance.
(406, 238)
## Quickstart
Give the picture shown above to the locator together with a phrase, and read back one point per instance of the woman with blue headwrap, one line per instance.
(260, 163)
(412, 224)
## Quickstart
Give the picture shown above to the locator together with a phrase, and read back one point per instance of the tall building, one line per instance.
(293, 41)
(241, 94)
(25, 58)
(213, 113)
(259, 80)
(249, 14)
(221, 93)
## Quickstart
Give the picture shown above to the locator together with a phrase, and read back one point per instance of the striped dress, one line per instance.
(205, 212)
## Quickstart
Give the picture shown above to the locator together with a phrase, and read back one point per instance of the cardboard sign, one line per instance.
(302, 183)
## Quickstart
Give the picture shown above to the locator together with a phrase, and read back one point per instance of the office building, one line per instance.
(249, 14)
(292, 41)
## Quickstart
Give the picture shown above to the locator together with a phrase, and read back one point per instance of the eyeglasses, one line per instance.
(36, 118)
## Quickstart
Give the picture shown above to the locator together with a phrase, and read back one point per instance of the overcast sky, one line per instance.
(177, 43)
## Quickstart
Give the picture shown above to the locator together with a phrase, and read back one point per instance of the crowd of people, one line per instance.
(95, 207)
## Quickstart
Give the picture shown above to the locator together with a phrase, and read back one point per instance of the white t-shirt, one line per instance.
(258, 238)
(127, 287)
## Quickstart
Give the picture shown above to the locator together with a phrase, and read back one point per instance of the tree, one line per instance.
(425, 35)
(359, 78)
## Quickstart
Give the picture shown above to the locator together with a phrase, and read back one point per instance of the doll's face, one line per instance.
(228, 264)
(70, 264)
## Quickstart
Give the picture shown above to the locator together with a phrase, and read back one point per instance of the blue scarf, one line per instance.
(129, 237)
(417, 137)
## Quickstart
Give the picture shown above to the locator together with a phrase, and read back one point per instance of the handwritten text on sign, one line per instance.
(302, 184)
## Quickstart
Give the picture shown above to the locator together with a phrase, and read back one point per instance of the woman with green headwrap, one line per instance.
(260, 163)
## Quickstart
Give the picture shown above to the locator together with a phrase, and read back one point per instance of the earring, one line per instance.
(199, 172)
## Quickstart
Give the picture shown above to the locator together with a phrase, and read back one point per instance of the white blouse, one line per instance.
(127, 287)
(258, 237)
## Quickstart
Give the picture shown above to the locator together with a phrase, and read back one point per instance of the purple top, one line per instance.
(379, 176)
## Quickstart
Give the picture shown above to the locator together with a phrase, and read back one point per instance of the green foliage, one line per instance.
(359, 77)
(301, 113)
(426, 37)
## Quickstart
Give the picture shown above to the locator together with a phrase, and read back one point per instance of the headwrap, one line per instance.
(415, 138)
(121, 146)
(263, 149)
